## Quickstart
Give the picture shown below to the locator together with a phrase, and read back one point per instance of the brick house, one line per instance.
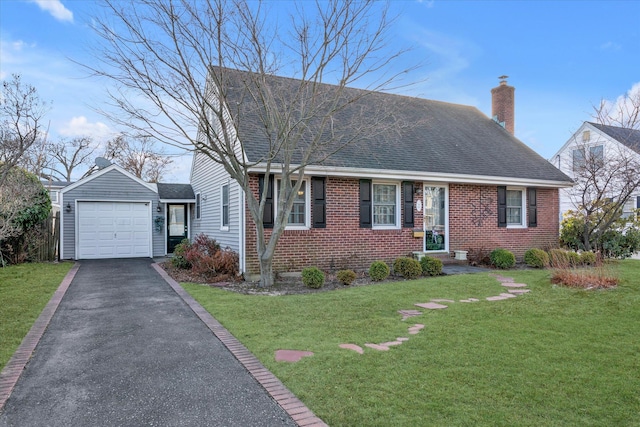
(455, 180)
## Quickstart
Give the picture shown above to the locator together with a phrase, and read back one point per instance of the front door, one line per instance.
(176, 226)
(435, 218)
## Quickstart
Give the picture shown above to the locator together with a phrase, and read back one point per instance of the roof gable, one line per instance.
(434, 136)
(106, 170)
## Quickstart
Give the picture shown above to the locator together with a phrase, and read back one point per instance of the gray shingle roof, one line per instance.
(436, 137)
(626, 136)
(175, 192)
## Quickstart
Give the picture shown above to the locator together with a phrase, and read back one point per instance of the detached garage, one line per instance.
(112, 214)
(114, 229)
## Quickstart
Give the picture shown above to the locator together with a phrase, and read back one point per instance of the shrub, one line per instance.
(179, 260)
(588, 258)
(346, 277)
(574, 258)
(559, 258)
(537, 258)
(431, 266)
(312, 277)
(479, 256)
(204, 256)
(408, 268)
(502, 258)
(379, 270)
(596, 278)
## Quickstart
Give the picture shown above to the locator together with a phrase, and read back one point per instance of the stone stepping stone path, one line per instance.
(513, 290)
(431, 305)
(409, 313)
(291, 355)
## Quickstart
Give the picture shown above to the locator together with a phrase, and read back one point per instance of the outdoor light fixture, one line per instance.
(67, 208)
(158, 209)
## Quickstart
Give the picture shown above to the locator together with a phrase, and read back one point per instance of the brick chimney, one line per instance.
(503, 104)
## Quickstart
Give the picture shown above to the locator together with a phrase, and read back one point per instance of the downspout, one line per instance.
(241, 232)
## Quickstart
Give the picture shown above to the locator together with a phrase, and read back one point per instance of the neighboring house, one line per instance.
(455, 181)
(54, 188)
(602, 141)
(113, 214)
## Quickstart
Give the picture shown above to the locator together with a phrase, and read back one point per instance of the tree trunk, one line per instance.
(267, 277)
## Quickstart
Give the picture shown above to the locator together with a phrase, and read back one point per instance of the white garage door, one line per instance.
(113, 230)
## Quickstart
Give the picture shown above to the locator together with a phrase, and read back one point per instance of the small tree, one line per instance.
(605, 180)
(21, 115)
(180, 58)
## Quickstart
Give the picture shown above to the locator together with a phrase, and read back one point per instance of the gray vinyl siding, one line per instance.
(111, 186)
(207, 179)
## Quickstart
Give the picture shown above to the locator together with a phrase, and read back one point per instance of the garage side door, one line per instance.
(113, 230)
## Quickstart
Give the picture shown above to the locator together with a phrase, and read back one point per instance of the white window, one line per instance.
(516, 207)
(578, 159)
(53, 194)
(300, 211)
(224, 207)
(596, 154)
(198, 206)
(386, 205)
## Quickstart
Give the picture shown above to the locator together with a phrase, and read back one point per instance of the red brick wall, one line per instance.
(473, 220)
(343, 244)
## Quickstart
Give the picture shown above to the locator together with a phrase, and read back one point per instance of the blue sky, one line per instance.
(562, 58)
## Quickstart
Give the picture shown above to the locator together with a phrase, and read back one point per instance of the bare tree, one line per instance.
(605, 180)
(180, 58)
(69, 155)
(624, 112)
(21, 115)
(139, 156)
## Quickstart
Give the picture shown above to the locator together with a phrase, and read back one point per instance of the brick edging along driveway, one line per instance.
(297, 410)
(13, 369)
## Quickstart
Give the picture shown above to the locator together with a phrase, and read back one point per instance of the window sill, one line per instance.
(516, 226)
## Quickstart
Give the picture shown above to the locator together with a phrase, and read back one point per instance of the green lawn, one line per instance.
(24, 291)
(555, 356)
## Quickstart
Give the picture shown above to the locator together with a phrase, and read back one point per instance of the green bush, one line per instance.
(179, 260)
(431, 266)
(379, 270)
(346, 277)
(502, 258)
(588, 258)
(312, 277)
(574, 258)
(537, 258)
(408, 268)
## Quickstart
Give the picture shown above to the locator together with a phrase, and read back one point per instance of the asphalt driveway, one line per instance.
(123, 349)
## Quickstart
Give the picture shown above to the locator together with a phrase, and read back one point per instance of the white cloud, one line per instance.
(610, 46)
(56, 9)
(80, 126)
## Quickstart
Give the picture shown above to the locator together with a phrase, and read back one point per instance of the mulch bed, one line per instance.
(283, 285)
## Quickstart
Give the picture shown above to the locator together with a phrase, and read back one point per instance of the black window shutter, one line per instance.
(365, 203)
(407, 194)
(638, 202)
(267, 215)
(533, 207)
(502, 206)
(319, 206)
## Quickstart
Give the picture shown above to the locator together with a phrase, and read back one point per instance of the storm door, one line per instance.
(435, 218)
(176, 226)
